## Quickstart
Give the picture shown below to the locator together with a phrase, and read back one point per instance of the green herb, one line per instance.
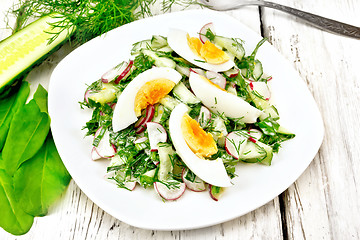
(248, 63)
(91, 18)
(272, 136)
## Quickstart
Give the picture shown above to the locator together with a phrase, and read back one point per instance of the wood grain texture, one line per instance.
(324, 202)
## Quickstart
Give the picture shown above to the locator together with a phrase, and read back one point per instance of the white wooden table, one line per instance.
(324, 203)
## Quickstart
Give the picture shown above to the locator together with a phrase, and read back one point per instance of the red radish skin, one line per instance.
(102, 156)
(169, 194)
(251, 85)
(125, 72)
(252, 140)
(216, 78)
(114, 72)
(140, 125)
(87, 95)
(140, 140)
(212, 195)
(198, 71)
(108, 152)
(203, 31)
(232, 72)
(255, 133)
(204, 116)
(130, 185)
(195, 187)
(233, 139)
(156, 134)
(94, 154)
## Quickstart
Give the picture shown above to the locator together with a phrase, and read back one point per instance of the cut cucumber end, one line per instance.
(23, 50)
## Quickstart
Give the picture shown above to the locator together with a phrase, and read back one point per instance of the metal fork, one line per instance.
(315, 20)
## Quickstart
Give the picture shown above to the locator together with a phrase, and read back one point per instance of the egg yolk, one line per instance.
(151, 93)
(200, 142)
(210, 82)
(195, 45)
(213, 54)
(207, 51)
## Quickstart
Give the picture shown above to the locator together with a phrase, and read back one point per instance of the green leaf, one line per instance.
(40, 98)
(27, 133)
(13, 219)
(8, 108)
(41, 180)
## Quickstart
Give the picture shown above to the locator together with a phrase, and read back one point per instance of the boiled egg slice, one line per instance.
(145, 89)
(207, 55)
(220, 101)
(193, 144)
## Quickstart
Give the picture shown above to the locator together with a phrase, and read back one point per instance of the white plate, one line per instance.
(255, 185)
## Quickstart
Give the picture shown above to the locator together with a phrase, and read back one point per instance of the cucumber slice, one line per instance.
(166, 166)
(257, 152)
(158, 41)
(169, 102)
(184, 94)
(160, 61)
(264, 105)
(258, 70)
(21, 51)
(107, 94)
(234, 47)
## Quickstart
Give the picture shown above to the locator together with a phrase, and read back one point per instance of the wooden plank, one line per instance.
(74, 216)
(324, 202)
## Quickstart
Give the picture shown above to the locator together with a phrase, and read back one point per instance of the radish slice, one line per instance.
(125, 72)
(215, 192)
(169, 194)
(88, 94)
(140, 140)
(112, 105)
(204, 116)
(114, 72)
(104, 148)
(157, 134)
(198, 71)
(255, 133)
(232, 89)
(235, 143)
(95, 155)
(183, 70)
(261, 88)
(216, 78)
(129, 184)
(197, 186)
(203, 31)
(140, 125)
(232, 72)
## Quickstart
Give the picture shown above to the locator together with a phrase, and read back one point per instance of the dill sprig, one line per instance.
(91, 18)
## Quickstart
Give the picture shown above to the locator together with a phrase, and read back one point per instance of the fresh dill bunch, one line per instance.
(91, 18)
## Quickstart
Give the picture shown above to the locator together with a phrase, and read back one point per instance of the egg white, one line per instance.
(124, 112)
(210, 171)
(221, 101)
(177, 40)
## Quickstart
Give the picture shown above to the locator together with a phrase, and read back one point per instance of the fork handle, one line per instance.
(316, 20)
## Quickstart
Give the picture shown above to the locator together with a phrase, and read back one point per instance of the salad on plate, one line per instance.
(182, 113)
